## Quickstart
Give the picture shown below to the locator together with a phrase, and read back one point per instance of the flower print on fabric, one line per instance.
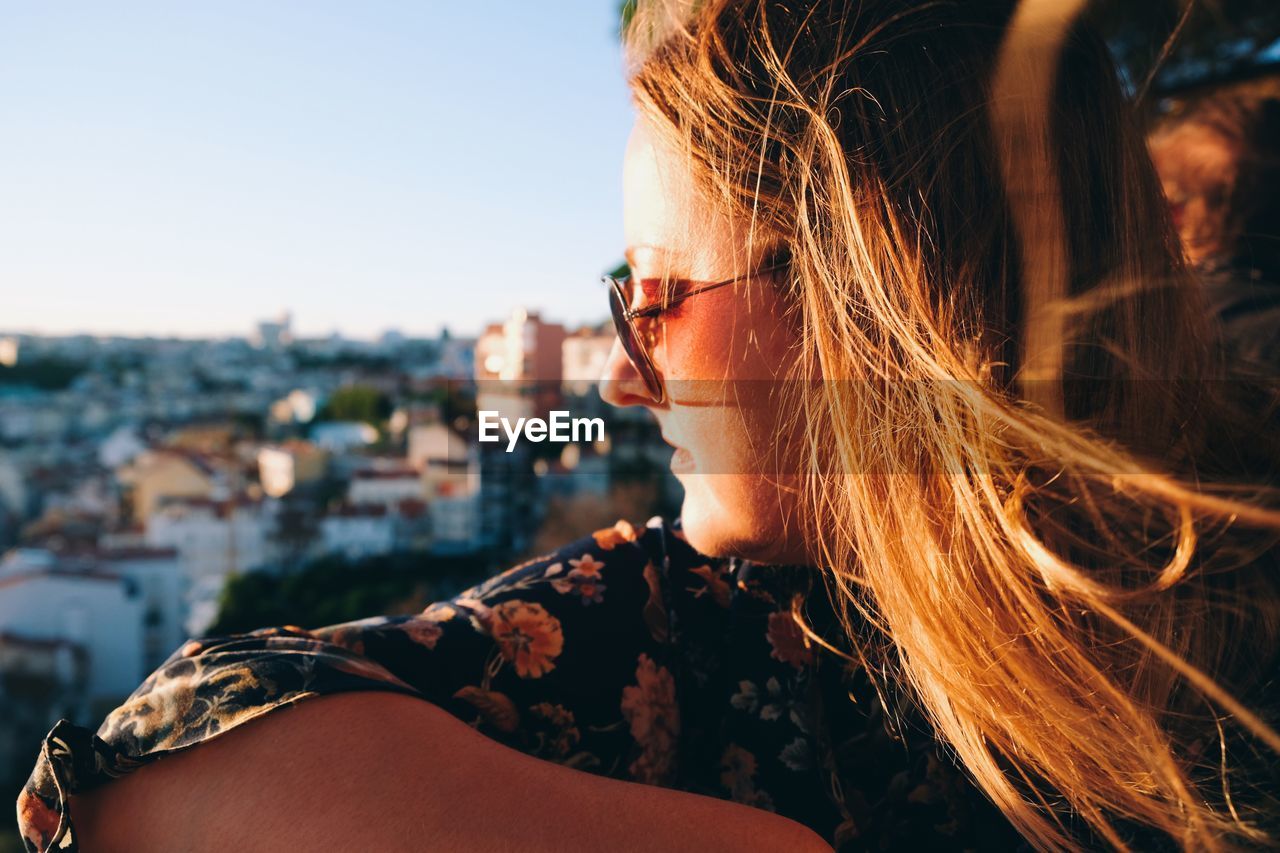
(528, 636)
(611, 537)
(625, 654)
(582, 580)
(788, 640)
(738, 776)
(651, 710)
(714, 583)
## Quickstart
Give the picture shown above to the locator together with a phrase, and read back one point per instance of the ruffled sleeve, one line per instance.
(567, 657)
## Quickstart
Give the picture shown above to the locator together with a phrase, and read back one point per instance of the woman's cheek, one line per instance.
(694, 349)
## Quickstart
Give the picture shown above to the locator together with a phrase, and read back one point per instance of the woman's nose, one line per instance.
(621, 384)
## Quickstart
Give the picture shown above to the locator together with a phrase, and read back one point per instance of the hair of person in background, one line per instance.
(1063, 563)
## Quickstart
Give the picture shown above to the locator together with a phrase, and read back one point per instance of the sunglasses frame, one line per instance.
(624, 318)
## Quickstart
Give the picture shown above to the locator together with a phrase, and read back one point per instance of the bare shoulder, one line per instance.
(385, 771)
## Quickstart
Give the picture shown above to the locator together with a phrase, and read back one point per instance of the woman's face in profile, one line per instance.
(722, 356)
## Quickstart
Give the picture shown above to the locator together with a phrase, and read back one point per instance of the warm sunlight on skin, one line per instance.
(720, 355)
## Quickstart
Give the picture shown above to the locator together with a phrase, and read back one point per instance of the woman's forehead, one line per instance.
(665, 221)
(655, 197)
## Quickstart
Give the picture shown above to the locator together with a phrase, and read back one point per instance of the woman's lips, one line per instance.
(681, 459)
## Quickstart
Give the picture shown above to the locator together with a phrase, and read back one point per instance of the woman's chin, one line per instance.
(716, 530)
(728, 515)
(695, 530)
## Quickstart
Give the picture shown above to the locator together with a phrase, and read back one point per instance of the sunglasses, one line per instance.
(634, 343)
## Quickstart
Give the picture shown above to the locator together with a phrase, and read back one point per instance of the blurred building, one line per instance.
(455, 523)
(283, 467)
(342, 436)
(41, 680)
(13, 489)
(508, 509)
(120, 447)
(9, 347)
(584, 355)
(157, 475)
(274, 334)
(213, 538)
(98, 611)
(358, 531)
(457, 357)
(518, 366)
(367, 530)
(439, 452)
(210, 438)
(162, 587)
(27, 416)
(385, 487)
(298, 406)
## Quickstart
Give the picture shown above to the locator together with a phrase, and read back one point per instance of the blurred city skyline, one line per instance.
(187, 171)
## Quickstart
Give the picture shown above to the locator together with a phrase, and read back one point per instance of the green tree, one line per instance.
(358, 403)
(333, 589)
(297, 526)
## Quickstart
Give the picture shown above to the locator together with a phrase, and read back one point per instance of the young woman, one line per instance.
(976, 548)
(1218, 159)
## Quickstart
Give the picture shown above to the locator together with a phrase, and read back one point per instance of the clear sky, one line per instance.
(189, 168)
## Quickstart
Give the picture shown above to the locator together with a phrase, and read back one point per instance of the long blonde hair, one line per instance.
(1040, 498)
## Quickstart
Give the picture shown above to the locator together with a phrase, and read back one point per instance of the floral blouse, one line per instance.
(626, 654)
